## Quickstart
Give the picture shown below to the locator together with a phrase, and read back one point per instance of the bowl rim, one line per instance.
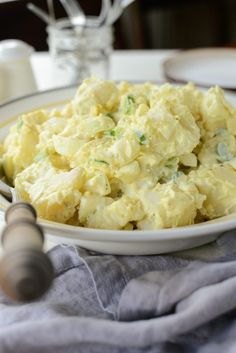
(216, 226)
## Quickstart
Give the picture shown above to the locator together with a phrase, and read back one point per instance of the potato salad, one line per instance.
(127, 156)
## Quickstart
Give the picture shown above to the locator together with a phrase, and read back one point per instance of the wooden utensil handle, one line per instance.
(20, 210)
(26, 271)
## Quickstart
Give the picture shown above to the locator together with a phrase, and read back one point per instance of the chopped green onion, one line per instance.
(223, 152)
(100, 161)
(41, 155)
(110, 132)
(142, 140)
(175, 175)
(19, 124)
(129, 103)
(117, 133)
(141, 137)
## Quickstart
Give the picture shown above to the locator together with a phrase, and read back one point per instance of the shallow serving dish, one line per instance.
(109, 241)
(204, 66)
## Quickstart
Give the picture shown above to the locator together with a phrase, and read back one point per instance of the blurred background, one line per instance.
(145, 24)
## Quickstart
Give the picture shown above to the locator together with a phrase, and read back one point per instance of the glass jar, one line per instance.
(79, 52)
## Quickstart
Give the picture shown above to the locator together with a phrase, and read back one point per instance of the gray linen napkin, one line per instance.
(179, 303)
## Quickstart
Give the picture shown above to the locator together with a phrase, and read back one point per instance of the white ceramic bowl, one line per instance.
(109, 241)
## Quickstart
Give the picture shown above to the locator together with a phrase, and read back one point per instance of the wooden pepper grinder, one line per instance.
(26, 272)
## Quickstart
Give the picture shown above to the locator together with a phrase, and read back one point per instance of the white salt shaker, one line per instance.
(16, 75)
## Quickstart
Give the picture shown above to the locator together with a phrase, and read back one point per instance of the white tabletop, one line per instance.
(133, 65)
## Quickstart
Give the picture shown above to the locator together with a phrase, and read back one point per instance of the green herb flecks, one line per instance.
(142, 140)
(129, 104)
(116, 133)
(176, 175)
(111, 133)
(100, 161)
(40, 156)
(141, 137)
(224, 155)
(19, 124)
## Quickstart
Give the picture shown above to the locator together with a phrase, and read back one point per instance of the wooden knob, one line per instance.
(26, 272)
(20, 211)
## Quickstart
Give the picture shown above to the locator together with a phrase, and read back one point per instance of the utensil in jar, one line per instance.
(40, 13)
(74, 12)
(26, 272)
(51, 10)
(102, 18)
(116, 10)
(77, 16)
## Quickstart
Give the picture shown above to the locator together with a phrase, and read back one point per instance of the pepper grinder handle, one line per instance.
(26, 272)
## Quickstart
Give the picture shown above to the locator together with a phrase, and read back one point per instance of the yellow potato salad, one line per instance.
(127, 156)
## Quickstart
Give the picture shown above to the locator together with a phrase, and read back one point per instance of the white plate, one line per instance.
(108, 241)
(205, 67)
